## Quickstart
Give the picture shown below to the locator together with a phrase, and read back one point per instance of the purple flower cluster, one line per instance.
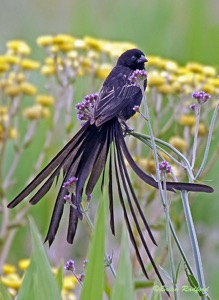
(201, 97)
(71, 181)
(86, 107)
(70, 185)
(70, 265)
(165, 167)
(138, 76)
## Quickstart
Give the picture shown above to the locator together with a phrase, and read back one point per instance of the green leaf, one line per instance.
(94, 274)
(59, 276)
(39, 282)
(123, 287)
(177, 272)
(4, 295)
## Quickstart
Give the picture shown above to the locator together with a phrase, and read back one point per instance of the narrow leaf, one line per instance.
(94, 275)
(123, 288)
(4, 295)
(39, 282)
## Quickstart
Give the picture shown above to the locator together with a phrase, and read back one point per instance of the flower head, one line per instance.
(193, 107)
(201, 97)
(70, 185)
(70, 265)
(86, 107)
(138, 76)
(165, 167)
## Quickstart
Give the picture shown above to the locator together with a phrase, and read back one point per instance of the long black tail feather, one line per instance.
(85, 157)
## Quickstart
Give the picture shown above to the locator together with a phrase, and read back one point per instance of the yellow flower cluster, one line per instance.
(11, 279)
(78, 57)
(14, 69)
(170, 78)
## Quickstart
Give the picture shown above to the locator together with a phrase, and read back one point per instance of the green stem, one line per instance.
(162, 192)
(194, 241)
(213, 120)
(169, 242)
(195, 136)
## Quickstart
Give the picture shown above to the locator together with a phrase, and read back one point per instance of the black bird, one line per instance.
(99, 141)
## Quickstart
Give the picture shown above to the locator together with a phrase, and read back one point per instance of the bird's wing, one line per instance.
(115, 95)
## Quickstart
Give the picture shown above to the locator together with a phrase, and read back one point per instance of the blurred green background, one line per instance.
(181, 30)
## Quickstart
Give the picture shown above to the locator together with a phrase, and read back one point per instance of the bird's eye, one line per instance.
(133, 58)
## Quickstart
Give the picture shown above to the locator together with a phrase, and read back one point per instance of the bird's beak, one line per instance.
(142, 59)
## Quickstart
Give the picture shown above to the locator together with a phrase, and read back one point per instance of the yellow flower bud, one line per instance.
(48, 70)
(153, 60)
(80, 44)
(28, 89)
(176, 87)
(23, 264)
(214, 81)
(202, 130)
(36, 112)
(165, 89)
(182, 71)
(8, 269)
(4, 66)
(18, 46)
(29, 64)
(66, 47)
(171, 66)
(194, 67)
(12, 59)
(178, 143)
(103, 70)
(11, 281)
(45, 100)
(188, 78)
(208, 88)
(155, 79)
(12, 90)
(69, 282)
(94, 43)
(73, 54)
(209, 71)
(63, 38)
(150, 168)
(45, 40)
(187, 120)
(13, 133)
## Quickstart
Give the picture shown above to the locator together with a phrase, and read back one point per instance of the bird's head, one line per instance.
(134, 59)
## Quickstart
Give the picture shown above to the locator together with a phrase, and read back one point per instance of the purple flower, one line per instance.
(71, 181)
(193, 107)
(138, 76)
(67, 198)
(165, 167)
(201, 97)
(70, 265)
(86, 107)
(70, 184)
